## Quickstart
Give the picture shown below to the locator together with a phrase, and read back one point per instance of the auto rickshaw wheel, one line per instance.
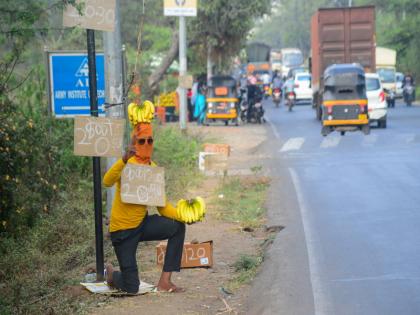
(325, 131)
(226, 122)
(342, 133)
(366, 129)
(318, 113)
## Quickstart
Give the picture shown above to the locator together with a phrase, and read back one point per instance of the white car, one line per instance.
(302, 86)
(377, 108)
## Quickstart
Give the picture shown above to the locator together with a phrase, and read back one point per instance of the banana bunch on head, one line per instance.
(192, 210)
(143, 113)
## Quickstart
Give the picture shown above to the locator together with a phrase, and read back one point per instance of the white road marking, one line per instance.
(273, 127)
(330, 142)
(409, 138)
(322, 303)
(292, 144)
(369, 140)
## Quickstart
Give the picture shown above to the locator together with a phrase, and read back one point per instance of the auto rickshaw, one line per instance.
(344, 100)
(222, 101)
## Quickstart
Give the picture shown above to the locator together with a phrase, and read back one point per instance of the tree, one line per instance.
(289, 24)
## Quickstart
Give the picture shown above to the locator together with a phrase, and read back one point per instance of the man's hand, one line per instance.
(128, 153)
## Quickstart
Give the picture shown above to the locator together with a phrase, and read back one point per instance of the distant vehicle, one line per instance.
(334, 34)
(386, 60)
(293, 71)
(291, 58)
(399, 77)
(258, 57)
(275, 59)
(302, 87)
(345, 104)
(377, 107)
(222, 100)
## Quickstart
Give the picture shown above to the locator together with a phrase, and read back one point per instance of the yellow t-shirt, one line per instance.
(127, 215)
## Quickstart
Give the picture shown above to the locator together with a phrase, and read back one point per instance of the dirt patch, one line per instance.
(207, 289)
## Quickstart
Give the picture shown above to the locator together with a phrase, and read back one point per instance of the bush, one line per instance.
(178, 153)
(36, 159)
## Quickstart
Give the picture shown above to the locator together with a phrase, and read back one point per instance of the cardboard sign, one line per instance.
(209, 161)
(97, 136)
(215, 162)
(185, 81)
(217, 148)
(96, 14)
(143, 185)
(193, 255)
(180, 7)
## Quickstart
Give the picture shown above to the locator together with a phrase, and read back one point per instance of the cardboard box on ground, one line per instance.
(214, 157)
(193, 254)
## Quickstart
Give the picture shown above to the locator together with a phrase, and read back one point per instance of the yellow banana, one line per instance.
(178, 209)
(196, 211)
(202, 206)
(138, 114)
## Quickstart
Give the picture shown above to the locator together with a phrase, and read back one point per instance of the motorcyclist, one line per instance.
(408, 81)
(277, 81)
(254, 95)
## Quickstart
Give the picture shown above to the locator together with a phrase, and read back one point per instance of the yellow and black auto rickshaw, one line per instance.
(344, 100)
(222, 101)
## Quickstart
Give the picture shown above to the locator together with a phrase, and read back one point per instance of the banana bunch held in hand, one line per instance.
(190, 211)
(143, 113)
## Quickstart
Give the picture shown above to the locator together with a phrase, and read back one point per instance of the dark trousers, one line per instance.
(153, 228)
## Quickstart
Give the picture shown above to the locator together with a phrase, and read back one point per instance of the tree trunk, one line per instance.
(158, 74)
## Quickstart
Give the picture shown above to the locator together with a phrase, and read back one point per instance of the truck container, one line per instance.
(340, 35)
(386, 60)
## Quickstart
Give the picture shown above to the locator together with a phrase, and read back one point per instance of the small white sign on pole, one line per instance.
(96, 15)
(180, 8)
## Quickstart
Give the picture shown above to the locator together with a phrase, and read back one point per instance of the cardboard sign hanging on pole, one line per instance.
(96, 15)
(185, 81)
(144, 185)
(96, 136)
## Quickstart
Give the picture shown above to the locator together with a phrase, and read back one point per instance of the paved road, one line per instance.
(351, 210)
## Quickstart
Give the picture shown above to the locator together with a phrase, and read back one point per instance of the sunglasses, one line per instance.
(142, 141)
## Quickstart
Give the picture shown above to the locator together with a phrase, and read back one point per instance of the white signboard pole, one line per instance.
(181, 8)
(182, 72)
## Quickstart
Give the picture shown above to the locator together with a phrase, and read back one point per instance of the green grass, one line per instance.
(243, 200)
(246, 268)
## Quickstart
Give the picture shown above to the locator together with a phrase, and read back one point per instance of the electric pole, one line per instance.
(113, 85)
(182, 72)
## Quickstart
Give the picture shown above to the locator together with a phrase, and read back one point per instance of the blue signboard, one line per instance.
(69, 84)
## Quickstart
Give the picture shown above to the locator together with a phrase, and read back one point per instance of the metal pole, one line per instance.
(182, 72)
(209, 64)
(97, 193)
(113, 86)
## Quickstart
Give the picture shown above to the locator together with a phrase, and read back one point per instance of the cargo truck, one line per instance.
(340, 36)
(258, 57)
(386, 60)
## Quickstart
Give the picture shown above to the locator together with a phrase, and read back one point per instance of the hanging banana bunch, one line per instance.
(143, 113)
(191, 211)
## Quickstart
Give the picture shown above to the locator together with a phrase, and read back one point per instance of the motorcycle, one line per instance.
(256, 114)
(408, 93)
(266, 91)
(277, 96)
(390, 97)
(291, 99)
